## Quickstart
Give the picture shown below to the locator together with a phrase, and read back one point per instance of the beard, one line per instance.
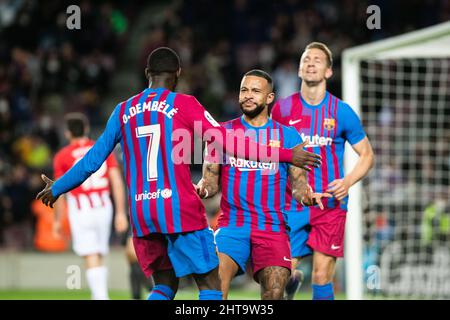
(313, 83)
(254, 112)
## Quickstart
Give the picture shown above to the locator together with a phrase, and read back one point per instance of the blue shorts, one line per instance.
(299, 229)
(186, 253)
(235, 243)
(263, 248)
(192, 252)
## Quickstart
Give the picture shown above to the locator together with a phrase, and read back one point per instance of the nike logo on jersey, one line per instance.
(333, 247)
(286, 259)
(292, 122)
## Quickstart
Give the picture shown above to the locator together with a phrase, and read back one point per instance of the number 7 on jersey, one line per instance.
(154, 132)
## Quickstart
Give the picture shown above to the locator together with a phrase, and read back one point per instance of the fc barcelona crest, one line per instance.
(328, 123)
(274, 143)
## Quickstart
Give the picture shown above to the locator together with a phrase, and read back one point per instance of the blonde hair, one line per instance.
(324, 48)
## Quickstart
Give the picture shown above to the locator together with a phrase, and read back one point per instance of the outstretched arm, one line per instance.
(89, 164)
(240, 146)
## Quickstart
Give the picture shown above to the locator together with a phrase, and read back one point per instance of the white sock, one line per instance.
(97, 279)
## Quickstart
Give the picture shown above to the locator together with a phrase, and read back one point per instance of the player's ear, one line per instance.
(178, 72)
(328, 73)
(147, 73)
(67, 135)
(270, 98)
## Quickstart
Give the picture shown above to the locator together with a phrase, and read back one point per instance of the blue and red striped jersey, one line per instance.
(156, 131)
(161, 196)
(326, 126)
(253, 193)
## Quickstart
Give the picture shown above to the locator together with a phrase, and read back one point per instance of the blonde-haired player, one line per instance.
(327, 123)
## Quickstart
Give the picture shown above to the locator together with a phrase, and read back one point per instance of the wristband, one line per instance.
(285, 155)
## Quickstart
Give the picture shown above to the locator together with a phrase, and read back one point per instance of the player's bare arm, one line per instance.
(339, 187)
(208, 186)
(299, 182)
(302, 191)
(46, 195)
(118, 192)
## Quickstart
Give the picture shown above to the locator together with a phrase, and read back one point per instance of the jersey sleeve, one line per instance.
(92, 160)
(292, 137)
(352, 127)
(200, 121)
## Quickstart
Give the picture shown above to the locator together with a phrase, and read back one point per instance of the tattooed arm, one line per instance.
(302, 191)
(298, 182)
(208, 186)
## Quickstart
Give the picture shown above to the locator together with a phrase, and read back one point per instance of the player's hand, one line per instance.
(305, 159)
(339, 188)
(56, 230)
(312, 198)
(46, 195)
(121, 222)
(201, 190)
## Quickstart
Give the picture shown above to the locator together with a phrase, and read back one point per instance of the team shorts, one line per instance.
(319, 230)
(262, 248)
(186, 253)
(90, 230)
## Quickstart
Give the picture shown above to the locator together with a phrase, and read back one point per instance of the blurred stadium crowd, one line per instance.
(47, 70)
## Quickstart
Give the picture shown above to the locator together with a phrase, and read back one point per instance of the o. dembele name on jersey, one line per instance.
(160, 106)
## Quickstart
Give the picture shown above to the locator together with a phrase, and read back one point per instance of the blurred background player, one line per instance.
(171, 239)
(326, 123)
(89, 206)
(252, 225)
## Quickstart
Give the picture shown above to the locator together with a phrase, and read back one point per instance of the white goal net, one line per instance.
(401, 90)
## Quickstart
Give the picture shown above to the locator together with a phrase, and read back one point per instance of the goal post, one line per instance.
(400, 88)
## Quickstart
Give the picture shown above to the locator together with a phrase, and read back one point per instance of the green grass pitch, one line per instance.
(183, 294)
